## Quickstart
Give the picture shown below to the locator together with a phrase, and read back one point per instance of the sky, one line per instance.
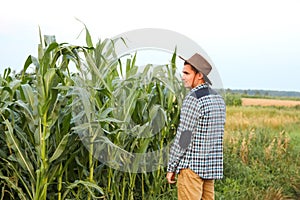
(253, 44)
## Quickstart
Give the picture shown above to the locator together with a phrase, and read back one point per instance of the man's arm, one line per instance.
(188, 118)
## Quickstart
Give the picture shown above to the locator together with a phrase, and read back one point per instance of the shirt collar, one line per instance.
(199, 87)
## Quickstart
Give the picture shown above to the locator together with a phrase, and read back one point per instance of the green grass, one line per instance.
(295, 140)
(262, 159)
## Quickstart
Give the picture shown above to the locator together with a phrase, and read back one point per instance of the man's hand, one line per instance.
(171, 177)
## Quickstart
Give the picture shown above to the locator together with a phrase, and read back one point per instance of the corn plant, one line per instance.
(100, 132)
(124, 113)
(36, 121)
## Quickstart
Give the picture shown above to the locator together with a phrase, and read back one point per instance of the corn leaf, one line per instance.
(60, 148)
(21, 157)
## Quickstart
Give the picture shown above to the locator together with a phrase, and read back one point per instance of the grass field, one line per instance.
(261, 151)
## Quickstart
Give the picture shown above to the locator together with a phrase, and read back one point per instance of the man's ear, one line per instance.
(200, 76)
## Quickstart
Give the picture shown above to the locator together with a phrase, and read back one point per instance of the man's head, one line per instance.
(195, 71)
(191, 77)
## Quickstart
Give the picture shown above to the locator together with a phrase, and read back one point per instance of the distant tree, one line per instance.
(266, 93)
(228, 90)
(233, 99)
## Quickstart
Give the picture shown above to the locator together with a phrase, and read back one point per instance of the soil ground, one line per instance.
(268, 102)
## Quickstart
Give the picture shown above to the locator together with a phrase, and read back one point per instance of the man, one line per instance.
(197, 152)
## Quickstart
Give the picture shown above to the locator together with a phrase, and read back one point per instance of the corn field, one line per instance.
(82, 134)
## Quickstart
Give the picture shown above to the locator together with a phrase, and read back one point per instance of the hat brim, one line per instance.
(207, 80)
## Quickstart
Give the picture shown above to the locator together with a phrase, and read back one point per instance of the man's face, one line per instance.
(188, 76)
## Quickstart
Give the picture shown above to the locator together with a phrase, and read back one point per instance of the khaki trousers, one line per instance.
(191, 187)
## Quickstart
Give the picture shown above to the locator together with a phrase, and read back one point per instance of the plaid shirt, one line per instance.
(198, 143)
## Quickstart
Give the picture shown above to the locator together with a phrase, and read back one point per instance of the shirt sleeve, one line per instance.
(188, 119)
